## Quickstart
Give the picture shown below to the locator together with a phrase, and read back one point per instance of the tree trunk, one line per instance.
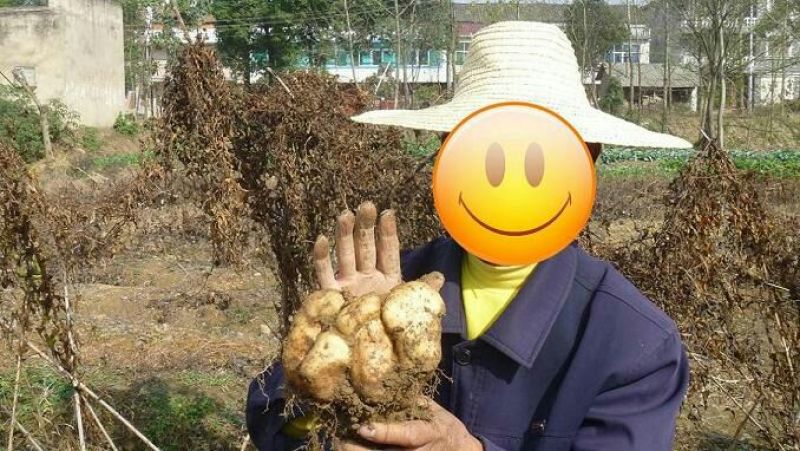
(630, 61)
(722, 84)
(399, 55)
(350, 42)
(666, 92)
(44, 124)
(248, 68)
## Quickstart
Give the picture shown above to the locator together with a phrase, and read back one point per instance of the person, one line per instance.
(563, 354)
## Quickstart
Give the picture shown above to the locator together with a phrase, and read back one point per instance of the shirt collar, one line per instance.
(521, 330)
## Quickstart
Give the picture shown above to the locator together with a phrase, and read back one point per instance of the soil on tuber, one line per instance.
(356, 360)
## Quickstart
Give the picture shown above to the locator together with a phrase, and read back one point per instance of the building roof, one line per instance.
(653, 76)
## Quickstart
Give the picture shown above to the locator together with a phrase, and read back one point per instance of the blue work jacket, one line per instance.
(580, 360)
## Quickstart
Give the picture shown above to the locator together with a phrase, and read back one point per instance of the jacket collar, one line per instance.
(521, 330)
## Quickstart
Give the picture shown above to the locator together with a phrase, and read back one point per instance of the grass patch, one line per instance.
(665, 162)
(185, 410)
(90, 139)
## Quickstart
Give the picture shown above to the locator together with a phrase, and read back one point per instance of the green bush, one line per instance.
(90, 139)
(126, 124)
(613, 99)
(20, 126)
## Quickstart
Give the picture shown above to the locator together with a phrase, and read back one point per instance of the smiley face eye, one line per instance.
(495, 164)
(534, 164)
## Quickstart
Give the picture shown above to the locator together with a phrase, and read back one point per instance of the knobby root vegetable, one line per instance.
(367, 354)
(325, 366)
(411, 314)
(373, 361)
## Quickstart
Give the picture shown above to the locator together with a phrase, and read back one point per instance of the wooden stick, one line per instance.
(181, 23)
(14, 405)
(99, 424)
(28, 435)
(272, 72)
(88, 391)
(76, 397)
(740, 429)
(748, 414)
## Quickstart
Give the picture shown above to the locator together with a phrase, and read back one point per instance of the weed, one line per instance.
(90, 139)
(126, 124)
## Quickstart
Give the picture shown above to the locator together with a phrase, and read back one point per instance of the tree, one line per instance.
(714, 27)
(593, 28)
(254, 35)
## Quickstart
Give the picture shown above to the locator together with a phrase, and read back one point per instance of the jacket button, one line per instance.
(463, 356)
(537, 426)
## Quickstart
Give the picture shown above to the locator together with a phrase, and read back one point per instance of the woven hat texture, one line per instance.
(528, 62)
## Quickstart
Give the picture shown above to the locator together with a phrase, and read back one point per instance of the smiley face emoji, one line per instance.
(514, 183)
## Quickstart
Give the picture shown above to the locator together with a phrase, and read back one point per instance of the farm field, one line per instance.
(173, 341)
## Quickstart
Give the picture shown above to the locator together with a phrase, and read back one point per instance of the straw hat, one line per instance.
(531, 62)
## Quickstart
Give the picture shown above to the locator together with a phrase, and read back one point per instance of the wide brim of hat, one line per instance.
(594, 126)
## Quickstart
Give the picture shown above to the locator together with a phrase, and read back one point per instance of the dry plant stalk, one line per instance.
(196, 129)
(34, 299)
(285, 156)
(303, 161)
(705, 266)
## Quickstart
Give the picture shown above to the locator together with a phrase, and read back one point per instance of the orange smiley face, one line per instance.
(514, 183)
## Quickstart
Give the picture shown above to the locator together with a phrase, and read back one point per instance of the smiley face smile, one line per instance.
(486, 226)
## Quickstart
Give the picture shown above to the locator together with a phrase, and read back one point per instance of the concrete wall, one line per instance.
(76, 50)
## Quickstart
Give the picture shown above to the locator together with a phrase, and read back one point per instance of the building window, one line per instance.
(461, 52)
(619, 54)
(419, 57)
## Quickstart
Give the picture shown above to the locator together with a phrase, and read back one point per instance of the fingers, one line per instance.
(340, 445)
(409, 434)
(388, 246)
(434, 279)
(364, 236)
(345, 252)
(322, 264)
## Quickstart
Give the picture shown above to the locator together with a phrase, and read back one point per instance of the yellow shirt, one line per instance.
(486, 290)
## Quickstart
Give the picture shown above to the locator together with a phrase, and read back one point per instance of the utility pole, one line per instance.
(518, 2)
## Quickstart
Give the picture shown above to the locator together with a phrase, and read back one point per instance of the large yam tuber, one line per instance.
(325, 367)
(412, 315)
(358, 312)
(302, 335)
(367, 356)
(373, 361)
(323, 305)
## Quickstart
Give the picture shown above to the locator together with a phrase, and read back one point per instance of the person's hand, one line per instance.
(363, 266)
(442, 432)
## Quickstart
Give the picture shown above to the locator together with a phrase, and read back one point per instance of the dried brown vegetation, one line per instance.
(198, 126)
(711, 266)
(288, 157)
